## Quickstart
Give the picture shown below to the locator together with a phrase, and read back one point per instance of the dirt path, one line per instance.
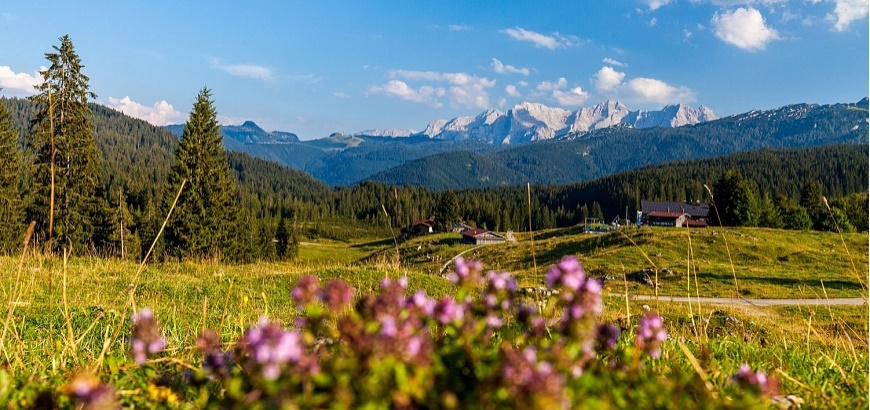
(446, 264)
(753, 302)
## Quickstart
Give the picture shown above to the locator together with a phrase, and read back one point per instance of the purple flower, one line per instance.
(757, 381)
(568, 274)
(606, 336)
(467, 273)
(145, 339)
(215, 360)
(449, 311)
(270, 348)
(337, 294)
(421, 301)
(651, 334)
(531, 382)
(87, 390)
(307, 290)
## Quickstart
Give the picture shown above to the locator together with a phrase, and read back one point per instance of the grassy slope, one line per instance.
(820, 352)
(768, 263)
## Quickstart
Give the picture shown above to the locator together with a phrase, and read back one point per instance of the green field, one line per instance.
(66, 316)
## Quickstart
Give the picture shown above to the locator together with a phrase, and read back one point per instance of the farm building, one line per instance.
(423, 226)
(478, 236)
(663, 213)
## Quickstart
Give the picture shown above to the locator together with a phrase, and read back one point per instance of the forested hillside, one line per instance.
(136, 158)
(582, 157)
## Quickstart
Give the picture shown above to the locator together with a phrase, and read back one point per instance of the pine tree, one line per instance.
(65, 153)
(202, 224)
(447, 211)
(11, 208)
(736, 200)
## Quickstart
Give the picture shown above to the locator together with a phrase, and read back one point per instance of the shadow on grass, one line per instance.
(583, 247)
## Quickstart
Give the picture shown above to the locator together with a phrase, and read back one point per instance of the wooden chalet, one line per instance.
(423, 226)
(478, 236)
(664, 213)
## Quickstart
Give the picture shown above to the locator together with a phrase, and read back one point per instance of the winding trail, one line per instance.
(752, 302)
(446, 264)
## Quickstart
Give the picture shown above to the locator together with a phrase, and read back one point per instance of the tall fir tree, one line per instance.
(736, 200)
(11, 207)
(203, 222)
(447, 211)
(66, 158)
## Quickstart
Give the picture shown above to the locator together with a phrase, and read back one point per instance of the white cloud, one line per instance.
(244, 70)
(847, 11)
(161, 113)
(608, 60)
(459, 27)
(500, 68)
(340, 94)
(655, 4)
(19, 83)
(574, 96)
(554, 90)
(466, 90)
(607, 79)
(540, 40)
(653, 21)
(652, 90)
(744, 28)
(502, 102)
(610, 83)
(512, 91)
(425, 94)
(522, 83)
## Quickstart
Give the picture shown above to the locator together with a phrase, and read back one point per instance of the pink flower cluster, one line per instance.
(146, 339)
(651, 334)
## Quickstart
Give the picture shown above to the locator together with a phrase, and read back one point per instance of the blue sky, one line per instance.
(317, 67)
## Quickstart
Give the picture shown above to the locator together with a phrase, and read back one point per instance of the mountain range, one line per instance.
(535, 143)
(530, 122)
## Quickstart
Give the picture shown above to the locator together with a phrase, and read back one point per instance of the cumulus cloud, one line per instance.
(655, 4)
(540, 40)
(847, 11)
(501, 68)
(459, 27)
(425, 94)
(244, 70)
(608, 60)
(652, 90)
(340, 94)
(160, 114)
(607, 79)
(512, 91)
(611, 83)
(744, 28)
(556, 91)
(464, 90)
(19, 83)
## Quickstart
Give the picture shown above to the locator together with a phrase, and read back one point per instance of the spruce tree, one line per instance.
(11, 209)
(65, 153)
(202, 223)
(447, 211)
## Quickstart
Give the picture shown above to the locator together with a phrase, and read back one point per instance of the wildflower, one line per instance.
(93, 395)
(467, 273)
(568, 274)
(651, 334)
(307, 290)
(448, 311)
(531, 382)
(161, 394)
(756, 381)
(528, 316)
(337, 294)
(421, 301)
(145, 338)
(606, 336)
(215, 361)
(270, 348)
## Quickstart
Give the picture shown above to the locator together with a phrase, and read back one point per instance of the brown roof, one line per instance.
(427, 222)
(695, 224)
(473, 232)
